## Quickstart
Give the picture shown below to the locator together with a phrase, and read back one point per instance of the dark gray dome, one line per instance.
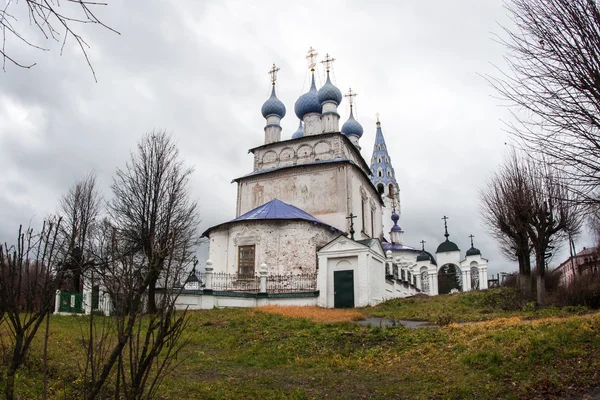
(447, 246)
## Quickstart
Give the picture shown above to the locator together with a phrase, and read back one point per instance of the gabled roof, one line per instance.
(276, 209)
(273, 210)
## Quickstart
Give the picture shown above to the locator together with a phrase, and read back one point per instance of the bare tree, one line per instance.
(502, 205)
(133, 352)
(554, 82)
(79, 209)
(52, 19)
(527, 206)
(552, 219)
(151, 206)
(28, 276)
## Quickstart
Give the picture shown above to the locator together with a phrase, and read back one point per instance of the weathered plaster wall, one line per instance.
(319, 190)
(304, 150)
(286, 247)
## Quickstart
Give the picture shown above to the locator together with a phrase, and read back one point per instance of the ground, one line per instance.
(306, 353)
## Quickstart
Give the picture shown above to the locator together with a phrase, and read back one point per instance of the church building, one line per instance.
(312, 204)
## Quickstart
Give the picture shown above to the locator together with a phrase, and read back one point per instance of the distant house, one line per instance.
(584, 263)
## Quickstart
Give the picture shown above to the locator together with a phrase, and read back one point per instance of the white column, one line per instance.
(57, 302)
(263, 272)
(208, 275)
(483, 278)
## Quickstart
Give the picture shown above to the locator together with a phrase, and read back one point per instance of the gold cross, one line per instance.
(328, 61)
(351, 95)
(311, 57)
(273, 72)
(377, 115)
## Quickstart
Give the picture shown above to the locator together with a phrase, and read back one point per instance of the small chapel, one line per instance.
(313, 205)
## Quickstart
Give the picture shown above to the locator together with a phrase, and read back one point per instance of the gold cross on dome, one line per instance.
(328, 61)
(350, 95)
(312, 58)
(273, 72)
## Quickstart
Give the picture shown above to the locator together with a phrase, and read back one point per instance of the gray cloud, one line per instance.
(198, 70)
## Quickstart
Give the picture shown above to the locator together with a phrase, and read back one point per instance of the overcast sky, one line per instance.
(198, 69)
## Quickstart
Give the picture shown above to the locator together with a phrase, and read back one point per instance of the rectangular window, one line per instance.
(246, 260)
(372, 223)
(364, 216)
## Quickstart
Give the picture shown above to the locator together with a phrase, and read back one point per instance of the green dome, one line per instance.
(473, 252)
(447, 246)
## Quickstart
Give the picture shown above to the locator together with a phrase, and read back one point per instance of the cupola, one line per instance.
(273, 110)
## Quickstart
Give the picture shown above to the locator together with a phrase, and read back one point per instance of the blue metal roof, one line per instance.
(276, 209)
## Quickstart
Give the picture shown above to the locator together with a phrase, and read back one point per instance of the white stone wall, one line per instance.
(329, 192)
(287, 247)
(208, 301)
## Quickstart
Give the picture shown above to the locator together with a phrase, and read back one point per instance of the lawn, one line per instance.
(297, 353)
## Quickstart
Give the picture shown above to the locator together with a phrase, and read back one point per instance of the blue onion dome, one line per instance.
(273, 106)
(395, 217)
(352, 127)
(329, 93)
(299, 133)
(308, 102)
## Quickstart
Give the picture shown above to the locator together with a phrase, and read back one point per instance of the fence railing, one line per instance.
(234, 282)
(292, 283)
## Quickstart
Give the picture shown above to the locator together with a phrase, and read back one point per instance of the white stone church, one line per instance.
(312, 204)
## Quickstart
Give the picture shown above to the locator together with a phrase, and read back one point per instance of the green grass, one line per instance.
(465, 307)
(245, 353)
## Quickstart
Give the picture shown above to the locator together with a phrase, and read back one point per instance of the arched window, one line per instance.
(379, 159)
(380, 188)
(387, 160)
(392, 190)
(379, 173)
(389, 173)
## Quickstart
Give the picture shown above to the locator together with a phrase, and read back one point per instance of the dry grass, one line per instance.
(316, 314)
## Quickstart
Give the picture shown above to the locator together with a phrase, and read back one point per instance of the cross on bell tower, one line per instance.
(471, 236)
(445, 218)
(423, 245)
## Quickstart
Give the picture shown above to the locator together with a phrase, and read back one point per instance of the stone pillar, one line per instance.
(106, 304)
(264, 273)
(208, 275)
(389, 262)
(57, 302)
(483, 278)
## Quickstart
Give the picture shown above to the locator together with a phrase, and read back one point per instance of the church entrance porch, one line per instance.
(449, 279)
(343, 289)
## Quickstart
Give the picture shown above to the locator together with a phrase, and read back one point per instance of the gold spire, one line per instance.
(351, 95)
(273, 72)
(312, 58)
(328, 61)
(377, 115)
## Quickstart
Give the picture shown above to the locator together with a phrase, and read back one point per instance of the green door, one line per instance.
(343, 289)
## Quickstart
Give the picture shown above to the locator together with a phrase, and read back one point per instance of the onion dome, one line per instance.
(273, 106)
(329, 93)
(447, 246)
(395, 218)
(299, 133)
(473, 252)
(423, 256)
(352, 127)
(308, 102)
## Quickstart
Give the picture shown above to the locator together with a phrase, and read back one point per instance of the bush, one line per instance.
(583, 291)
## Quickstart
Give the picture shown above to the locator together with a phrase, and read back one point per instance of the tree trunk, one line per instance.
(541, 290)
(524, 279)
(152, 297)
